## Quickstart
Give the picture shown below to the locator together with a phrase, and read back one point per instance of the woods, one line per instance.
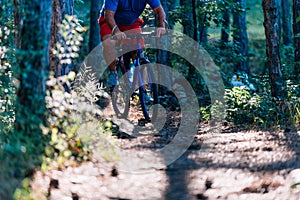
(43, 44)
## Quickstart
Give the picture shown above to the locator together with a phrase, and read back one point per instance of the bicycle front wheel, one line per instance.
(148, 95)
(121, 100)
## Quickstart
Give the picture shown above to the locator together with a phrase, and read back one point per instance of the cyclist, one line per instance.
(117, 16)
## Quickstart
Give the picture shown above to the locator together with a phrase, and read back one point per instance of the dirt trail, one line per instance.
(223, 164)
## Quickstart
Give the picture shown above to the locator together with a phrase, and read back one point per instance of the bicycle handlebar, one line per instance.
(137, 35)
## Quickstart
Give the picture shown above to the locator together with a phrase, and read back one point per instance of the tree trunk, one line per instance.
(225, 28)
(54, 62)
(163, 57)
(240, 37)
(171, 5)
(33, 68)
(286, 22)
(271, 21)
(17, 22)
(60, 8)
(187, 19)
(188, 23)
(279, 16)
(195, 21)
(94, 39)
(296, 30)
(201, 28)
(203, 35)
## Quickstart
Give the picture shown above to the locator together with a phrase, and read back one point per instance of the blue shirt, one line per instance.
(127, 11)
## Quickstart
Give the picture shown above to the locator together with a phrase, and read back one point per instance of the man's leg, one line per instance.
(108, 47)
(110, 58)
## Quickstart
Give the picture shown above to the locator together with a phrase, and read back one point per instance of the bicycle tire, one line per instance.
(121, 100)
(149, 91)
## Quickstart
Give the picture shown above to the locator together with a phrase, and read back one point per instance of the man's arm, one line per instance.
(160, 16)
(110, 20)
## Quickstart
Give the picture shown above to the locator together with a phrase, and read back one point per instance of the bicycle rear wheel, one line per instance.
(148, 95)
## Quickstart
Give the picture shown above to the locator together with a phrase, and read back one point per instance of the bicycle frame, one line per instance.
(137, 75)
(137, 83)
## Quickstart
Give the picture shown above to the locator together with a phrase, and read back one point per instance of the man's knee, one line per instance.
(107, 43)
(104, 37)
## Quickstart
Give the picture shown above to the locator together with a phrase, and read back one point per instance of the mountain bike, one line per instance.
(136, 78)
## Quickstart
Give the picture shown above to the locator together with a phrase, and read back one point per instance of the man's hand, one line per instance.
(160, 31)
(160, 16)
(120, 35)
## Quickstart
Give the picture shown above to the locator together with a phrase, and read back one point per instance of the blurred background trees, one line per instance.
(296, 31)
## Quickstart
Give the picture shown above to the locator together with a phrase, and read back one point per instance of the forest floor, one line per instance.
(226, 163)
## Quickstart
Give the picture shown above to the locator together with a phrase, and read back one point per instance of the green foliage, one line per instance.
(208, 12)
(76, 128)
(148, 16)
(79, 1)
(67, 47)
(23, 193)
(61, 141)
(295, 185)
(262, 110)
(64, 142)
(7, 62)
(205, 112)
(87, 84)
(244, 108)
(66, 145)
(288, 64)
(7, 89)
(291, 104)
(224, 55)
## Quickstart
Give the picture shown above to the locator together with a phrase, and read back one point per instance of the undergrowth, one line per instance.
(75, 129)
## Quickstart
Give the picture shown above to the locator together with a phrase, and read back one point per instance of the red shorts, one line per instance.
(131, 29)
(135, 27)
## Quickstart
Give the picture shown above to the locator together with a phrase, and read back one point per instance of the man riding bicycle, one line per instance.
(118, 16)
